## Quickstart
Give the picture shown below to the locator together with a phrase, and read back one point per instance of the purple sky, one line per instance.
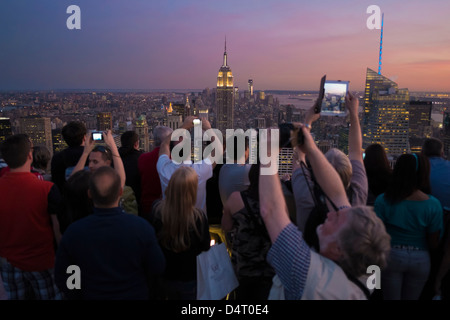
(178, 44)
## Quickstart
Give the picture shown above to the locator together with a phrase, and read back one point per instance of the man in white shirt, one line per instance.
(204, 168)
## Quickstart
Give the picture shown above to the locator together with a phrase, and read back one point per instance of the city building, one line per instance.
(446, 135)
(174, 121)
(386, 115)
(141, 129)
(262, 96)
(285, 161)
(5, 128)
(59, 144)
(225, 96)
(260, 123)
(104, 121)
(250, 87)
(419, 123)
(181, 109)
(39, 129)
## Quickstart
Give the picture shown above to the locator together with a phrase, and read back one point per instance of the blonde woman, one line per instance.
(183, 233)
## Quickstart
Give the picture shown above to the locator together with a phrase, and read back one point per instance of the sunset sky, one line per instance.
(179, 44)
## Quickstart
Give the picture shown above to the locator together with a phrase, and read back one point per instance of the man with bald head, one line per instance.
(117, 253)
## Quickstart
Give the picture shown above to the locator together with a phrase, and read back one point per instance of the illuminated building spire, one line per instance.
(381, 44)
(225, 53)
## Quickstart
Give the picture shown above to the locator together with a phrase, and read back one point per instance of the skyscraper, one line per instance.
(419, 123)
(59, 143)
(104, 121)
(181, 109)
(142, 131)
(225, 96)
(5, 128)
(174, 121)
(250, 87)
(386, 115)
(39, 129)
(446, 134)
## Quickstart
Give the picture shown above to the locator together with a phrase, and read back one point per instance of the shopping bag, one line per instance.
(215, 274)
(277, 290)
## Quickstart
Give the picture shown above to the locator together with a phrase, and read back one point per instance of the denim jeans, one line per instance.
(406, 274)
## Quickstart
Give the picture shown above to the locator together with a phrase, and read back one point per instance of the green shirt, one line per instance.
(408, 222)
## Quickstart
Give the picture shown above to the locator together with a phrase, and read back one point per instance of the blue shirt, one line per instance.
(409, 222)
(117, 253)
(306, 275)
(440, 180)
(290, 257)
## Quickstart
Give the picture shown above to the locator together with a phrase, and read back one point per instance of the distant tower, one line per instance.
(141, 128)
(59, 143)
(386, 115)
(5, 128)
(225, 96)
(381, 45)
(446, 134)
(419, 123)
(39, 129)
(104, 121)
(250, 87)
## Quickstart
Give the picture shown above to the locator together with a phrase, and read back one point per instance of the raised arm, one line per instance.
(117, 160)
(88, 147)
(272, 205)
(164, 148)
(298, 155)
(354, 134)
(326, 176)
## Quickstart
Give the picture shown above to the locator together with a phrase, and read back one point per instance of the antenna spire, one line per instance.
(381, 45)
(225, 53)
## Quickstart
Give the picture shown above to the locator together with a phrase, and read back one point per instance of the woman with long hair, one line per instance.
(413, 218)
(378, 170)
(183, 233)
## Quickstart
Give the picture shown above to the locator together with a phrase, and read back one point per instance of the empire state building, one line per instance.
(225, 96)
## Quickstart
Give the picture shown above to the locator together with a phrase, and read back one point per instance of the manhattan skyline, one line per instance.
(281, 45)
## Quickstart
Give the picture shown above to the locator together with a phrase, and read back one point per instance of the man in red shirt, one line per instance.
(150, 183)
(29, 228)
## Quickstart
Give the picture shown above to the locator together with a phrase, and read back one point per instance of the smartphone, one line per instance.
(196, 121)
(97, 136)
(318, 108)
(333, 103)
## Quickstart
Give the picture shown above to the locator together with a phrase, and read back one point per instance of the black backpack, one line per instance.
(319, 213)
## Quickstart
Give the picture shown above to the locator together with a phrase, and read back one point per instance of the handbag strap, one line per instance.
(363, 288)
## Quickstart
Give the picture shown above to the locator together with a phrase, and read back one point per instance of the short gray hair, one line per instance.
(160, 133)
(364, 241)
(342, 164)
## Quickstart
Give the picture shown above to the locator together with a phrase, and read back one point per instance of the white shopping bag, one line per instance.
(215, 274)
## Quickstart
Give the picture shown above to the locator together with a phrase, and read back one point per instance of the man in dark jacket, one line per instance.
(117, 254)
(74, 133)
(129, 152)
